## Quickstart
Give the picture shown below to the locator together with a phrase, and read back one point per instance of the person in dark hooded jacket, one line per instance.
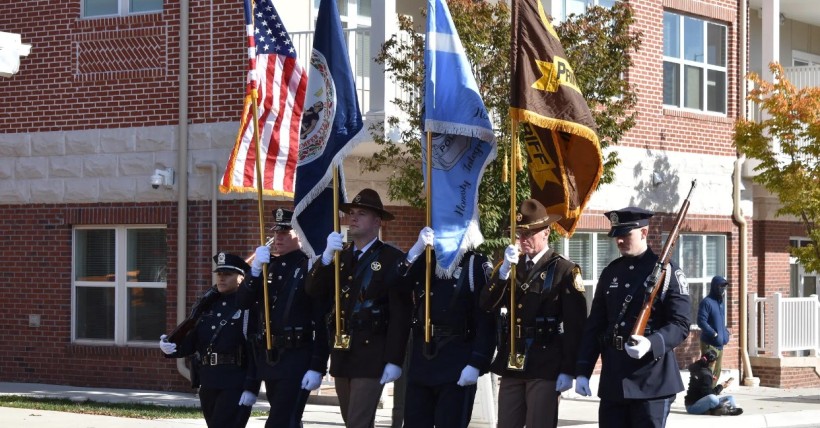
(701, 397)
(713, 332)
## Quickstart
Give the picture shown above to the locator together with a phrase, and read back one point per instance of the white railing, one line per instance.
(358, 45)
(803, 77)
(783, 324)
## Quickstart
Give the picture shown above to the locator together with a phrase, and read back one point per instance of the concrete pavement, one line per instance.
(763, 407)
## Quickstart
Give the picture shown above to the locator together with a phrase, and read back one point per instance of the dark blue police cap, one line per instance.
(626, 219)
(231, 263)
(282, 219)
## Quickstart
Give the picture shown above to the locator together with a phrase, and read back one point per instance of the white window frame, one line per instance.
(682, 63)
(123, 8)
(810, 59)
(120, 285)
(796, 286)
(706, 277)
(557, 8)
(590, 277)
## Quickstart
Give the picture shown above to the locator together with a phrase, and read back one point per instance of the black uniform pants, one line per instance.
(287, 403)
(634, 413)
(440, 406)
(221, 408)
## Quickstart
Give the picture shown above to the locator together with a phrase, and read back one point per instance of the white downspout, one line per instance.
(747, 378)
(214, 168)
(182, 168)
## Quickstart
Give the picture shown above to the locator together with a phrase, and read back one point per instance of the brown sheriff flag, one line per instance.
(563, 151)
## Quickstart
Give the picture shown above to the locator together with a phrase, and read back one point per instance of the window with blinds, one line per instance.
(119, 287)
(592, 251)
(701, 257)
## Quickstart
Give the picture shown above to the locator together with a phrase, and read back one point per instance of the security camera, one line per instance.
(162, 177)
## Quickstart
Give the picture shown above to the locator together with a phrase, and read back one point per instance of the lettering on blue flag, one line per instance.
(463, 140)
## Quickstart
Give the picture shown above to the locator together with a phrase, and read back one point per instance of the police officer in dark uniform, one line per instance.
(442, 376)
(219, 342)
(550, 314)
(639, 377)
(375, 311)
(298, 357)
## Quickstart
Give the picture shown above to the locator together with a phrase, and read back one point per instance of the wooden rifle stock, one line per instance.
(655, 280)
(199, 307)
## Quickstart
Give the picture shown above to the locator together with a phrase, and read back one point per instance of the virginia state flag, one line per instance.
(463, 140)
(564, 155)
(330, 120)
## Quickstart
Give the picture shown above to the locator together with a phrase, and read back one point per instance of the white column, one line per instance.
(383, 25)
(771, 36)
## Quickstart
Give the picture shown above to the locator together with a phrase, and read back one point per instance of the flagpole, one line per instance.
(341, 341)
(427, 250)
(515, 360)
(260, 205)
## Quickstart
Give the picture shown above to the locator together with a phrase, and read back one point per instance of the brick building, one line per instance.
(101, 262)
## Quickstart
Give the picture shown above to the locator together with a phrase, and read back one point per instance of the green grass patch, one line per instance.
(122, 410)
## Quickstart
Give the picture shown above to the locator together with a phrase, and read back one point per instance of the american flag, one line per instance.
(280, 84)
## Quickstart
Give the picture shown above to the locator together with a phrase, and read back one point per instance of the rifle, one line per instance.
(199, 307)
(655, 279)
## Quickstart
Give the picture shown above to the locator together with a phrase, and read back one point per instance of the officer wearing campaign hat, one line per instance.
(297, 360)
(639, 373)
(221, 350)
(550, 314)
(375, 312)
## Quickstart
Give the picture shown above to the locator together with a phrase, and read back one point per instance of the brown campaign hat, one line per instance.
(369, 199)
(532, 215)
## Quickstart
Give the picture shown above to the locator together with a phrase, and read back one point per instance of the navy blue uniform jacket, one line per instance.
(461, 312)
(290, 308)
(230, 340)
(657, 374)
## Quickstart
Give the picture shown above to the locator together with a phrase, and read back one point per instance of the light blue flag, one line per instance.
(329, 122)
(463, 140)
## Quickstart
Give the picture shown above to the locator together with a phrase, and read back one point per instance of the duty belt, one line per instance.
(446, 330)
(618, 342)
(215, 359)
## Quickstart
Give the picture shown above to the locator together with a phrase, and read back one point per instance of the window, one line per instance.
(95, 8)
(804, 59)
(701, 257)
(801, 282)
(694, 63)
(593, 251)
(119, 284)
(561, 9)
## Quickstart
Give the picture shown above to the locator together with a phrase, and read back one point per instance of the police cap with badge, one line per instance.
(226, 262)
(626, 219)
(282, 219)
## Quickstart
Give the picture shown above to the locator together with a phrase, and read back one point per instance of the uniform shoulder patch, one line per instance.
(684, 285)
(577, 280)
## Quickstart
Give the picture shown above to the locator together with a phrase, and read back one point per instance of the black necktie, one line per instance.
(355, 260)
(529, 264)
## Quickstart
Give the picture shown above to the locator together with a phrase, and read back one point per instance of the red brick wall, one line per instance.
(37, 251)
(665, 129)
(788, 377)
(82, 72)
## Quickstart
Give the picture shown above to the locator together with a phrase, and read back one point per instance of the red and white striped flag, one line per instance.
(280, 83)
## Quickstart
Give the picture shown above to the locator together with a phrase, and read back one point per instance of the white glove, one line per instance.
(334, 243)
(564, 382)
(510, 258)
(391, 373)
(640, 348)
(426, 237)
(582, 386)
(262, 255)
(247, 399)
(311, 380)
(469, 376)
(165, 346)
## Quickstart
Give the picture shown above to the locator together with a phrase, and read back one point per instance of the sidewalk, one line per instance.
(763, 407)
